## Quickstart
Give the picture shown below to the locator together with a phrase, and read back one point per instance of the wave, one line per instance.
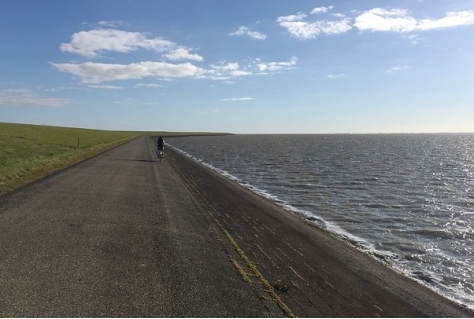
(398, 194)
(332, 228)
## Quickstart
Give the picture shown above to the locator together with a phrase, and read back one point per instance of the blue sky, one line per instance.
(241, 67)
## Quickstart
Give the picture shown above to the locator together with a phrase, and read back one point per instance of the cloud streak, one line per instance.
(275, 66)
(183, 54)
(399, 20)
(396, 69)
(301, 29)
(238, 99)
(321, 9)
(245, 31)
(94, 73)
(26, 98)
(335, 76)
(374, 20)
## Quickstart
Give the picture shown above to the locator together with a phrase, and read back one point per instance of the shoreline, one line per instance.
(356, 242)
(316, 273)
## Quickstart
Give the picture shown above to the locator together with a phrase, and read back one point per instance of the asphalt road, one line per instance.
(116, 236)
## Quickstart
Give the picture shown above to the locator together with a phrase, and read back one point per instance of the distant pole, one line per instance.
(77, 143)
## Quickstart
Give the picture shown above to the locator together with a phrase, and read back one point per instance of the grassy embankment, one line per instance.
(29, 152)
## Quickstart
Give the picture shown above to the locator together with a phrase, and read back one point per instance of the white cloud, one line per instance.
(245, 31)
(26, 98)
(339, 15)
(238, 73)
(183, 54)
(377, 19)
(96, 73)
(396, 69)
(91, 43)
(292, 18)
(90, 72)
(209, 112)
(110, 24)
(225, 71)
(226, 67)
(321, 10)
(148, 85)
(335, 76)
(399, 20)
(108, 87)
(303, 30)
(237, 99)
(275, 66)
(385, 20)
(334, 27)
(413, 38)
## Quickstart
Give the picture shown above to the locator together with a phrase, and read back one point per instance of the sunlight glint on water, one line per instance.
(407, 199)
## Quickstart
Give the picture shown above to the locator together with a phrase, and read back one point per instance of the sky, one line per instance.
(266, 66)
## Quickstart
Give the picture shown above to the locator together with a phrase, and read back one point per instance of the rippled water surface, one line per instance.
(407, 199)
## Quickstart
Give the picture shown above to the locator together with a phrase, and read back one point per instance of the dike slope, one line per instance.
(310, 272)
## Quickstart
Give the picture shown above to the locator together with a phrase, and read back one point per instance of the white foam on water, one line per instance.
(333, 228)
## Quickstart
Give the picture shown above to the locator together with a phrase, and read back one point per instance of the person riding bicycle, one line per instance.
(161, 145)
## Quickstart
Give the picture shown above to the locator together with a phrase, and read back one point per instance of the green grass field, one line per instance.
(29, 152)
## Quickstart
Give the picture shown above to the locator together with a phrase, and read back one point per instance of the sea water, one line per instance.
(406, 199)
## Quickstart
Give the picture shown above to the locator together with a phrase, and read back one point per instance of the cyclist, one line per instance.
(161, 146)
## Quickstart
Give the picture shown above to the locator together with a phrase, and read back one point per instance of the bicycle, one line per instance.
(160, 153)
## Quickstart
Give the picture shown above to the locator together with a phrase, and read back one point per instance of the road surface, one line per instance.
(117, 235)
